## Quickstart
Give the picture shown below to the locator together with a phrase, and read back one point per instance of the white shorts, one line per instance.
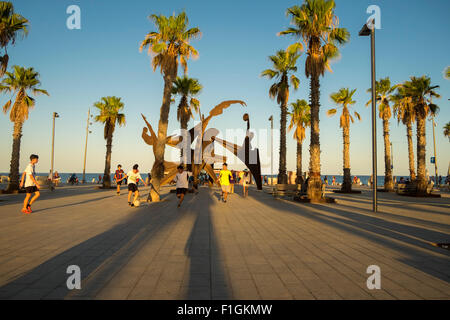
(226, 188)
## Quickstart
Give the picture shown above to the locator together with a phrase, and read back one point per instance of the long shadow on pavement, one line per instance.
(206, 274)
(8, 199)
(366, 198)
(393, 235)
(101, 257)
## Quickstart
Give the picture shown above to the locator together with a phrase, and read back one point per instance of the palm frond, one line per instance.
(170, 44)
(19, 82)
(315, 27)
(7, 106)
(109, 114)
(331, 112)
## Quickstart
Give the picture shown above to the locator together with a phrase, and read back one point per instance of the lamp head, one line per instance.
(367, 28)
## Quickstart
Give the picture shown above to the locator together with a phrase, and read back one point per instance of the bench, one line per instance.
(285, 190)
(406, 188)
(411, 188)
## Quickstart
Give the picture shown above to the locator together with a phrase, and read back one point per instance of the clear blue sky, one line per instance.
(78, 67)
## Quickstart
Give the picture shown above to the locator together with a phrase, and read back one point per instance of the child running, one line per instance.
(118, 177)
(224, 178)
(182, 180)
(133, 176)
(31, 185)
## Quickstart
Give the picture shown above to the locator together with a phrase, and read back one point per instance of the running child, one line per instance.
(224, 178)
(118, 177)
(133, 176)
(31, 185)
(182, 180)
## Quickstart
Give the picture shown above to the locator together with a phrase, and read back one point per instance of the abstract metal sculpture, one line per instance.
(202, 156)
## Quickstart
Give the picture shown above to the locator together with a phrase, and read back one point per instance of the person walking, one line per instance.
(245, 182)
(224, 179)
(232, 181)
(57, 178)
(118, 175)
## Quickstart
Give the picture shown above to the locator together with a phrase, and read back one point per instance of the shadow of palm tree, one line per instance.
(103, 256)
(413, 241)
(206, 273)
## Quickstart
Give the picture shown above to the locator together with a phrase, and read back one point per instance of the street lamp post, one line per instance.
(83, 180)
(392, 162)
(435, 158)
(55, 115)
(271, 149)
(366, 31)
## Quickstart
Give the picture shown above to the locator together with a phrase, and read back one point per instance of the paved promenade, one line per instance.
(254, 248)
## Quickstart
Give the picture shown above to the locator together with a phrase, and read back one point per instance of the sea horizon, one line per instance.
(339, 178)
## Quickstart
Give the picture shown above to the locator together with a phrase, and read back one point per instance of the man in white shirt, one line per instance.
(31, 185)
(182, 181)
(133, 178)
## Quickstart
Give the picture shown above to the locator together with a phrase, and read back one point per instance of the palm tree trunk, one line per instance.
(412, 171)
(347, 183)
(315, 182)
(282, 175)
(160, 146)
(388, 179)
(184, 119)
(13, 185)
(299, 179)
(106, 175)
(421, 164)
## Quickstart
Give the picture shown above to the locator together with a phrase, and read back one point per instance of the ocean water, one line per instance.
(340, 179)
(65, 176)
(89, 176)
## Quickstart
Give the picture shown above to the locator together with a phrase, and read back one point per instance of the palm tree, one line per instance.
(447, 130)
(384, 92)
(19, 83)
(344, 98)
(421, 92)
(187, 88)
(300, 120)
(12, 25)
(109, 114)
(447, 73)
(169, 46)
(283, 65)
(404, 112)
(316, 27)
